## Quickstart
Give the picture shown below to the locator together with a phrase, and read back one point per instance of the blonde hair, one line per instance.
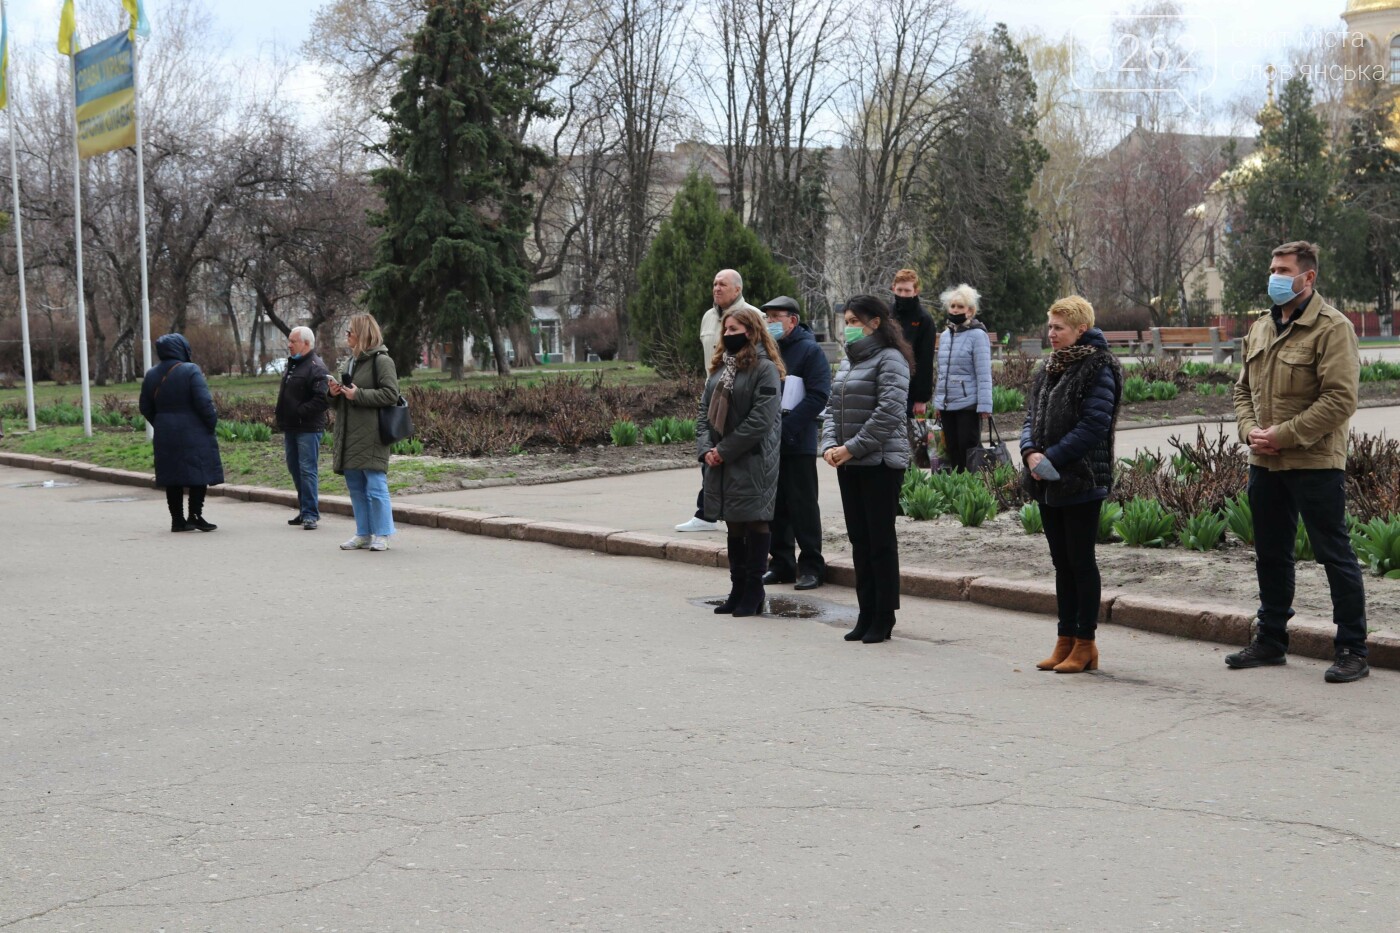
(758, 334)
(366, 331)
(964, 293)
(1074, 309)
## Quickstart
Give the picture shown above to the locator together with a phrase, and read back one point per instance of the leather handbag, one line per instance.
(918, 443)
(395, 423)
(990, 455)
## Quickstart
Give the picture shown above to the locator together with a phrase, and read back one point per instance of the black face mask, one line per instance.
(959, 319)
(733, 343)
(906, 305)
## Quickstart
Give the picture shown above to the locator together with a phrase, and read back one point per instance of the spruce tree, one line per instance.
(674, 280)
(1292, 191)
(455, 208)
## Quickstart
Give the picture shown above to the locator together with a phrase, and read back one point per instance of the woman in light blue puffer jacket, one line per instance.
(865, 435)
(962, 398)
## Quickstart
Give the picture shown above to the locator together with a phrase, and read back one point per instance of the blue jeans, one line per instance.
(303, 449)
(369, 495)
(1278, 498)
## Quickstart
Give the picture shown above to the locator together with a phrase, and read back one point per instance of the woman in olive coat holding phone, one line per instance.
(367, 383)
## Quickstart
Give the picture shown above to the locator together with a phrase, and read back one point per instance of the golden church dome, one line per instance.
(1370, 6)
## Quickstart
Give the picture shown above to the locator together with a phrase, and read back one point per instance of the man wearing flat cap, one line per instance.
(797, 520)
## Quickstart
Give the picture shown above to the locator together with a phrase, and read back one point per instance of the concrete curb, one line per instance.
(1200, 622)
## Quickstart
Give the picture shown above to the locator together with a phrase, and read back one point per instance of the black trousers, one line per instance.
(175, 500)
(962, 431)
(1072, 532)
(1277, 499)
(870, 499)
(797, 519)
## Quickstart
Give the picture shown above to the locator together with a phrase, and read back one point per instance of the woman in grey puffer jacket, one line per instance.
(962, 398)
(865, 435)
(739, 431)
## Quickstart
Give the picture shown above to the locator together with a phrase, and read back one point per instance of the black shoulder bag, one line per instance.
(395, 423)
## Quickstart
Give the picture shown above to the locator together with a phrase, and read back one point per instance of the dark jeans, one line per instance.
(870, 500)
(1072, 531)
(962, 431)
(797, 519)
(303, 450)
(1277, 498)
(175, 500)
(700, 497)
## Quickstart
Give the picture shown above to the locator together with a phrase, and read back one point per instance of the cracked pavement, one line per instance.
(251, 730)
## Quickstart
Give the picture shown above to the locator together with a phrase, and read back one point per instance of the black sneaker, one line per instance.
(1260, 653)
(295, 521)
(1348, 667)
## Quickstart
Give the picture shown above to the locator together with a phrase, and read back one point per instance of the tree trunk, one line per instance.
(459, 355)
(498, 345)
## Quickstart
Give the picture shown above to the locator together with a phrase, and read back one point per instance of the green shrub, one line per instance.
(1144, 462)
(1378, 545)
(1006, 399)
(974, 505)
(408, 447)
(137, 423)
(240, 431)
(1183, 466)
(110, 419)
(922, 502)
(1213, 388)
(1108, 517)
(1161, 391)
(59, 413)
(1135, 389)
(1145, 523)
(1004, 474)
(1302, 545)
(1031, 522)
(1239, 518)
(1203, 531)
(1195, 369)
(1380, 371)
(669, 430)
(624, 433)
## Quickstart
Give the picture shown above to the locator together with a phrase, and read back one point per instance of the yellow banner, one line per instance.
(106, 97)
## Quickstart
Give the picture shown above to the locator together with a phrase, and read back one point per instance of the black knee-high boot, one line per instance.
(755, 565)
(197, 509)
(738, 554)
(175, 503)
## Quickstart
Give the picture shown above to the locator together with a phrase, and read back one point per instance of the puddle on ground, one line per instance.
(46, 484)
(784, 606)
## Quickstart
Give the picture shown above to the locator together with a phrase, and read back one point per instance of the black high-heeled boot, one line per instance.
(737, 555)
(880, 631)
(862, 626)
(175, 504)
(755, 566)
(198, 522)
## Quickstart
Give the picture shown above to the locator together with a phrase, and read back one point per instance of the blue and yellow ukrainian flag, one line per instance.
(140, 26)
(67, 25)
(4, 63)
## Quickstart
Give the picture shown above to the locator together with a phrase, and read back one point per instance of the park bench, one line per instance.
(1187, 339)
(991, 335)
(1131, 339)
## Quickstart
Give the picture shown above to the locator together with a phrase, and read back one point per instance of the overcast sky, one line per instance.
(1235, 38)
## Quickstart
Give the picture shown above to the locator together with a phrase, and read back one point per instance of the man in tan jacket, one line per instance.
(1294, 400)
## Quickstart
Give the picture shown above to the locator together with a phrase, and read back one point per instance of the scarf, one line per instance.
(1066, 357)
(966, 326)
(718, 412)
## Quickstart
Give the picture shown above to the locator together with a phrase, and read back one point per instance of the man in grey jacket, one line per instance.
(728, 292)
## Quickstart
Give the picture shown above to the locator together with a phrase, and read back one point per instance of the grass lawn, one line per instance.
(246, 463)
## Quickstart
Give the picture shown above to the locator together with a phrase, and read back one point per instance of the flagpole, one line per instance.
(78, 246)
(141, 216)
(19, 243)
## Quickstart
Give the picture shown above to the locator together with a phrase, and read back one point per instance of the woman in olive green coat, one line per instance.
(367, 383)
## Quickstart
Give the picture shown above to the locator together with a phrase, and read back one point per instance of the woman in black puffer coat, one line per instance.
(739, 432)
(1067, 447)
(865, 435)
(175, 400)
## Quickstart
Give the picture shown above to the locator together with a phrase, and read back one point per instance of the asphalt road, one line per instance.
(251, 730)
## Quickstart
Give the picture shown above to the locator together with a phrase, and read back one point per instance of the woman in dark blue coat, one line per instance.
(175, 400)
(1067, 446)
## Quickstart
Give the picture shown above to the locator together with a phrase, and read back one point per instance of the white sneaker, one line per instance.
(379, 542)
(355, 543)
(699, 524)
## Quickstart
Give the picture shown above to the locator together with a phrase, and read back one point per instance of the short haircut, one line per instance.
(964, 293)
(366, 331)
(1074, 309)
(1305, 251)
(907, 275)
(736, 279)
(306, 334)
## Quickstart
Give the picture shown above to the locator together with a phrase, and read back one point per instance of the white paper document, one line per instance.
(793, 392)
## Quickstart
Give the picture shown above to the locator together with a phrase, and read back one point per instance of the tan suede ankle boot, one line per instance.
(1063, 645)
(1083, 657)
